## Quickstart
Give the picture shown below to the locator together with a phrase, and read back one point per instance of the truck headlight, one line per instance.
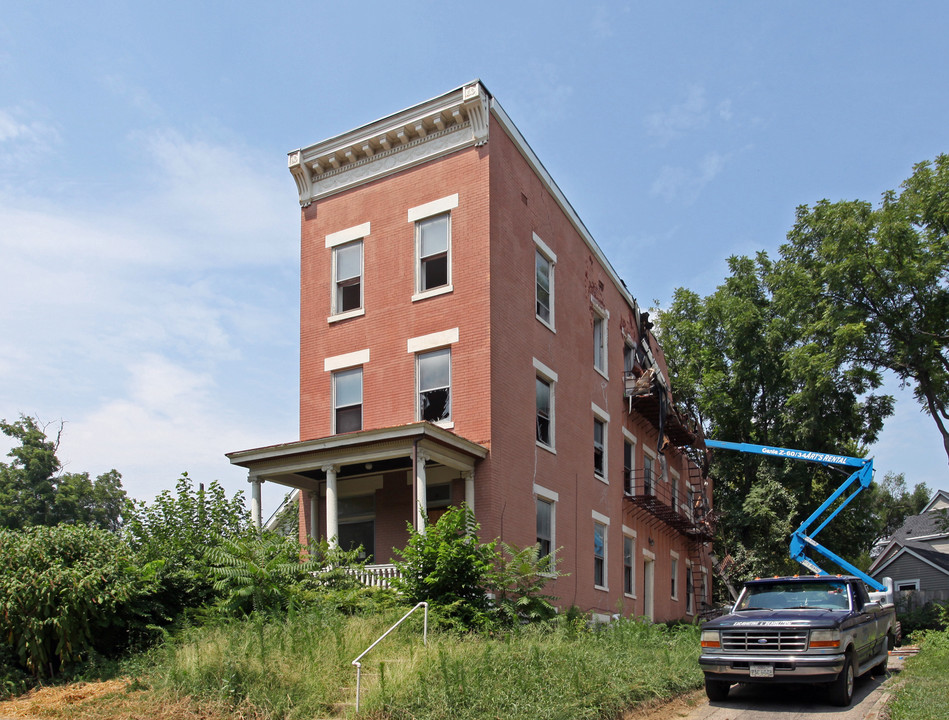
(825, 639)
(711, 639)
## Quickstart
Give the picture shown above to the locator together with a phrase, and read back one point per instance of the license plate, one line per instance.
(762, 671)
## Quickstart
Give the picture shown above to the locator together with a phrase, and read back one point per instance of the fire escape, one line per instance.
(650, 492)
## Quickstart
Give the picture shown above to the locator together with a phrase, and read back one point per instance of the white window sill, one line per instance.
(443, 290)
(446, 424)
(543, 446)
(601, 479)
(346, 315)
(631, 597)
(604, 588)
(602, 372)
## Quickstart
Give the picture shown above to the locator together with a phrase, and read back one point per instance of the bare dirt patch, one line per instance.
(674, 709)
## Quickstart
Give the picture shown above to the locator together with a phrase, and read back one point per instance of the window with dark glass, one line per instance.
(599, 343)
(348, 267)
(434, 386)
(543, 412)
(433, 247)
(647, 475)
(347, 400)
(628, 467)
(545, 527)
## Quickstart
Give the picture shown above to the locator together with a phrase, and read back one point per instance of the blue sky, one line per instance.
(149, 226)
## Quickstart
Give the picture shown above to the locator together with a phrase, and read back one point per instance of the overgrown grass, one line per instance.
(304, 669)
(923, 692)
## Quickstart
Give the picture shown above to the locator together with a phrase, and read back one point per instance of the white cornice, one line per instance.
(453, 121)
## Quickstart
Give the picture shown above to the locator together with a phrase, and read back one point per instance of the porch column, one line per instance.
(314, 496)
(469, 489)
(332, 506)
(254, 500)
(421, 491)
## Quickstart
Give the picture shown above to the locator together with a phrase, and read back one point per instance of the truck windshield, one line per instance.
(828, 595)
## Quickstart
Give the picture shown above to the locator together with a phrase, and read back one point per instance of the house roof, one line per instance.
(920, 551)
(938, 501)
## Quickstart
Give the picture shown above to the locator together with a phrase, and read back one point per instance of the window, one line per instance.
(543, 412)
(600, 317)
(628, 454)
(347, 400)
(689, 595)
(648, 463)
(434, 386)
(347, 268)
(544, 262)
(629, 354)
(599, 448)
(545, 502)
(904, 585)
(432, 236)
(674, 482)
(674, 587)
(437, 496)
(433, 246)
(599, 555)
(545, 527)
(629, 554)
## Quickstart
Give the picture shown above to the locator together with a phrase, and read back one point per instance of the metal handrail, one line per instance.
(382, 637)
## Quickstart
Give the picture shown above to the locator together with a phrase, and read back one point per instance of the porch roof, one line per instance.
(300, 464)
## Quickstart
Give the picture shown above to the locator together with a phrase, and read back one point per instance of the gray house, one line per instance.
(917, 555)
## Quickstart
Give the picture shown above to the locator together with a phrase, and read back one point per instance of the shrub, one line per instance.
(65, 592)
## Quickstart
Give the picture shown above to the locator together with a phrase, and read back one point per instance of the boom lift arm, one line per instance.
(803, 537)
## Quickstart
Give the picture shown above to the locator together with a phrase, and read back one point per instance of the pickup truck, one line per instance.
(805, 629)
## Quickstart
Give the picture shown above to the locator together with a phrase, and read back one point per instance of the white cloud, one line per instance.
(689, 115)
(685, 184)
(24, 141)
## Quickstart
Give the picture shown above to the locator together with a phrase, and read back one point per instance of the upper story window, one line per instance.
(648, 474)
(347, 248)
(347, 400)
(433, 246)
(347, 264)
(434, 386)
(600, 318)
(544, 261)
(545, 502)
(600, 464)
(347, 389)
(628, 458)
(544, 383)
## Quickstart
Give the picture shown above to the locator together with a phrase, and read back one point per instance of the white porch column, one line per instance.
(421, 491)
(254, 500)
(314, 496)
(469, 489)
(332, 506)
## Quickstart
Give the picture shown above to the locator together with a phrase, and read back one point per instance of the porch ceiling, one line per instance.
(299, 464)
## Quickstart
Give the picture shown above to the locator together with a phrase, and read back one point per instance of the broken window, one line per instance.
(433, 249)
(347, 262)
(544, 434)
(347, 400)
(434, 386)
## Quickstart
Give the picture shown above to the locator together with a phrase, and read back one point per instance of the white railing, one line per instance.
(382, 637)
(376, 575)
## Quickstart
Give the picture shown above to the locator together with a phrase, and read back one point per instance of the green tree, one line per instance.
(872, 285)
(177, 529)
(894, 502)
(35, 491)
(748, 371)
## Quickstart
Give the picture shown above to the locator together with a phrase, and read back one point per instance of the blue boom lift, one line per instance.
(803, 537)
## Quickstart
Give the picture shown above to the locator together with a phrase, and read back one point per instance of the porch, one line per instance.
(362, 488)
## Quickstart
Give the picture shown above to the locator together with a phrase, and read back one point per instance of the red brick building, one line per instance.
(463, 338)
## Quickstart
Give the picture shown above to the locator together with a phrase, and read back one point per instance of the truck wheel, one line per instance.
(717, 690)
(841, 689)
